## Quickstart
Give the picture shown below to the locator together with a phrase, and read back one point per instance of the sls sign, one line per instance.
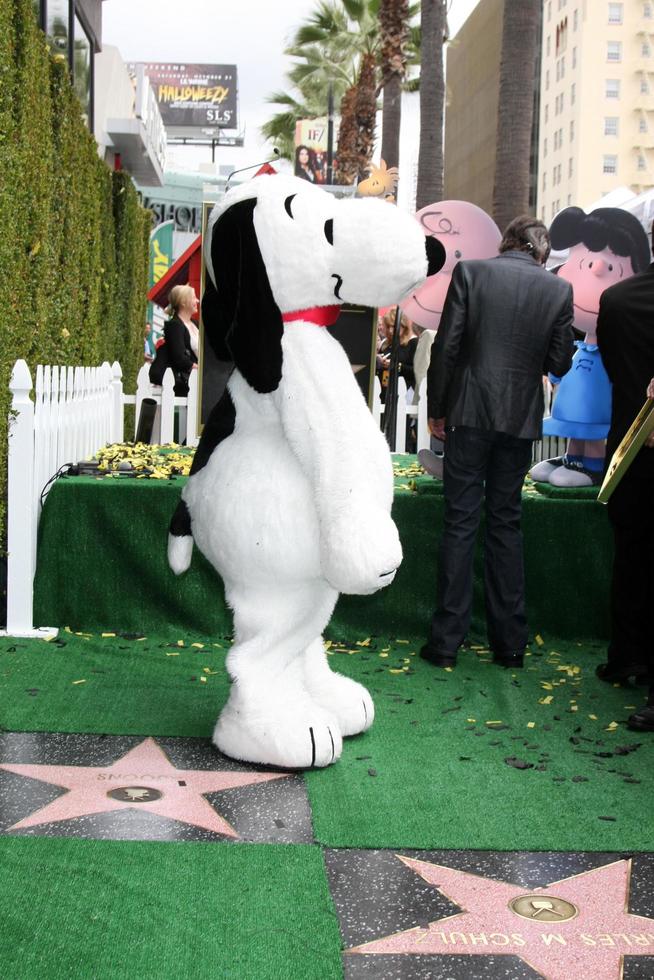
(194, 99)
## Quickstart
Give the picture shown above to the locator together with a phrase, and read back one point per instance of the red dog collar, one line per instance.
(323, 316)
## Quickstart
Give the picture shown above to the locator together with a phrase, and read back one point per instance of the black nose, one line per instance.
(435, 255)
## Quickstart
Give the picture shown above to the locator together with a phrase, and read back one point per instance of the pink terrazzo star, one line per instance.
(145, 771)
(591, 944)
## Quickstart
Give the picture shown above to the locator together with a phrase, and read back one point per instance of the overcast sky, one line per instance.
(251, 34)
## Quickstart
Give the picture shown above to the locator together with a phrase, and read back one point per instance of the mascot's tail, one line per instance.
(180, 540)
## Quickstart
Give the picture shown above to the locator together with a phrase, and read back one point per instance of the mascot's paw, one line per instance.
(431, 463)
(180, 550)
(542, 471)
(569, 476)
(290, 735)
(346, 699)
(361, 551)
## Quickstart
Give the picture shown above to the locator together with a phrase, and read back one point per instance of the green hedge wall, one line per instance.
(73, 236)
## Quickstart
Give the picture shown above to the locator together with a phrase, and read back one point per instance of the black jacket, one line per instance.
(625, 336)
(506, 322)
(175, 353)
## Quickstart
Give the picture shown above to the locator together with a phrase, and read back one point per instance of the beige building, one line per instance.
(597, 101)
(473, 87)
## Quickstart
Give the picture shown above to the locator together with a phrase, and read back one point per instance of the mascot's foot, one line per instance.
(289, 735)
(542, 471)
(574, 476)
(431, 463)
(180, 550)
(347, 700)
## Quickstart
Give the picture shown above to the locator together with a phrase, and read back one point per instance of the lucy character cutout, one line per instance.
(606, 246)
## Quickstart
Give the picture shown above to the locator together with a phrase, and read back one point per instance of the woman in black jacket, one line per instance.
(180, 350)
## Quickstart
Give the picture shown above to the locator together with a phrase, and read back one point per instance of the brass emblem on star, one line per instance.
(135, 794)
(543, 908)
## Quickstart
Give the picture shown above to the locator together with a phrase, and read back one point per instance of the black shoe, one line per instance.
(642, 720)
(509, 659)
(439, 658)
(614, 674)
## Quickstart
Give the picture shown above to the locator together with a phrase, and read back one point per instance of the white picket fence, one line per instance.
(76, 411)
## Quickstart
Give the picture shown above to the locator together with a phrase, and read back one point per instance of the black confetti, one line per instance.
(516, 763)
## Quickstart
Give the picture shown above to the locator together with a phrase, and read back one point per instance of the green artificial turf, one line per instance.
(115, 910)
(425, 775)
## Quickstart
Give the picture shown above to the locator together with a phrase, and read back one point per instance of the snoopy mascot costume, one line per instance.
(290, 492)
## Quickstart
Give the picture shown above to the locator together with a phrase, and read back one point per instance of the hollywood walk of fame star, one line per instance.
(588, 932)
(143, 778)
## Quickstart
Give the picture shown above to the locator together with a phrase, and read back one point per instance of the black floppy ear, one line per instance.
(241, 319)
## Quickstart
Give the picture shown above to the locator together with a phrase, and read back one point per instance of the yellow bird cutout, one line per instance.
(381, 182)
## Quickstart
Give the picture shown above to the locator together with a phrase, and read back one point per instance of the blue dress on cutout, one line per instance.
(582, 406)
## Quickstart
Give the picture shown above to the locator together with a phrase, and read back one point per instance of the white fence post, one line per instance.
(400, 417)
(117, 426)
(423, 441)
(143, 390)
(167, 407)
(21, 526)
(192, 437)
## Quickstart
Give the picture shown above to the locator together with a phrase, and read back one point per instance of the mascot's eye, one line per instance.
(590, 265)
(287, 205)
(610, 268)
(329, 230)
(457, 254)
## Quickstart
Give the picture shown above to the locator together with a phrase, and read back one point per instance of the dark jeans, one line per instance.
(482, 465)
(631, 513)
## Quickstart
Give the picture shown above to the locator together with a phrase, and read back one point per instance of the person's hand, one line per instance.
(437, 428)
(650, 389)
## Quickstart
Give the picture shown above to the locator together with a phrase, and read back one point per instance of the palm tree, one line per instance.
(337, 45)
(433, 24)
(394, 34)
(520, 34)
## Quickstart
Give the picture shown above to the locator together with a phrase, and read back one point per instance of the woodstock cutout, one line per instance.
(290, 491)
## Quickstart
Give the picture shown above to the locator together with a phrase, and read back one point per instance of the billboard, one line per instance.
(193, 98)
(311, 150)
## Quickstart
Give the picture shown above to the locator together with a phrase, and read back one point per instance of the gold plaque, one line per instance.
(626, 452)
(543, 908)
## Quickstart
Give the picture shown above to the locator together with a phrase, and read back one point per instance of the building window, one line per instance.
(611, 125)
(574, 57)
(571, 165)
(553, 208)
(82, 57)
(615, 13)
(548, 45)
(647, 11)
(554, 177)
(575, 20)
(57, 27)
(563, 67)
(644, 86)
(645, 49)
(545, 147)
(642, 162)
(572, 130)
(573, 93)
(642, 125)
(556, 139)
(547, 79)
(549, 10)
(546, 112)
(614, 51)
(544, 180)
(610, 165)
(612, 90)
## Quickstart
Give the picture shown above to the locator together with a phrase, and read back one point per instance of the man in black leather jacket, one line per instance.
(505, 324)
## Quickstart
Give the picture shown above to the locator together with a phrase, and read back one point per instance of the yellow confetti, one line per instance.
(180, 643)
(574, 707)
(630, 707)
(449, 669)
(593, 717)
(471, 720)
(402, 641)
(172, 655)
(611, 727)
(531, 724)
(394, 670)
(219, 645)
(547, 700)
(383, 654)
(140, 639)
(493, 723)
(546, 686)
(208, 670)
(198, 646)
(80, 682)
(328, 644)
(385, 649)
(107, 634)
(203, 679)
(539, 639)
(48, 639)
(364, 643)
(67, 629)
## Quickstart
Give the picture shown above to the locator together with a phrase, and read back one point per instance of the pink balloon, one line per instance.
(466, 232)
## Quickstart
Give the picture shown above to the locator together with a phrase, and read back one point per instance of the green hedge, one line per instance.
(73, 236)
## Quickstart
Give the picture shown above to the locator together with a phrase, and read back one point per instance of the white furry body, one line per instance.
(291, 509)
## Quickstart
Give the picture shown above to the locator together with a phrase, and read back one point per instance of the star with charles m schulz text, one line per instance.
(578, 926)
(143, 779)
